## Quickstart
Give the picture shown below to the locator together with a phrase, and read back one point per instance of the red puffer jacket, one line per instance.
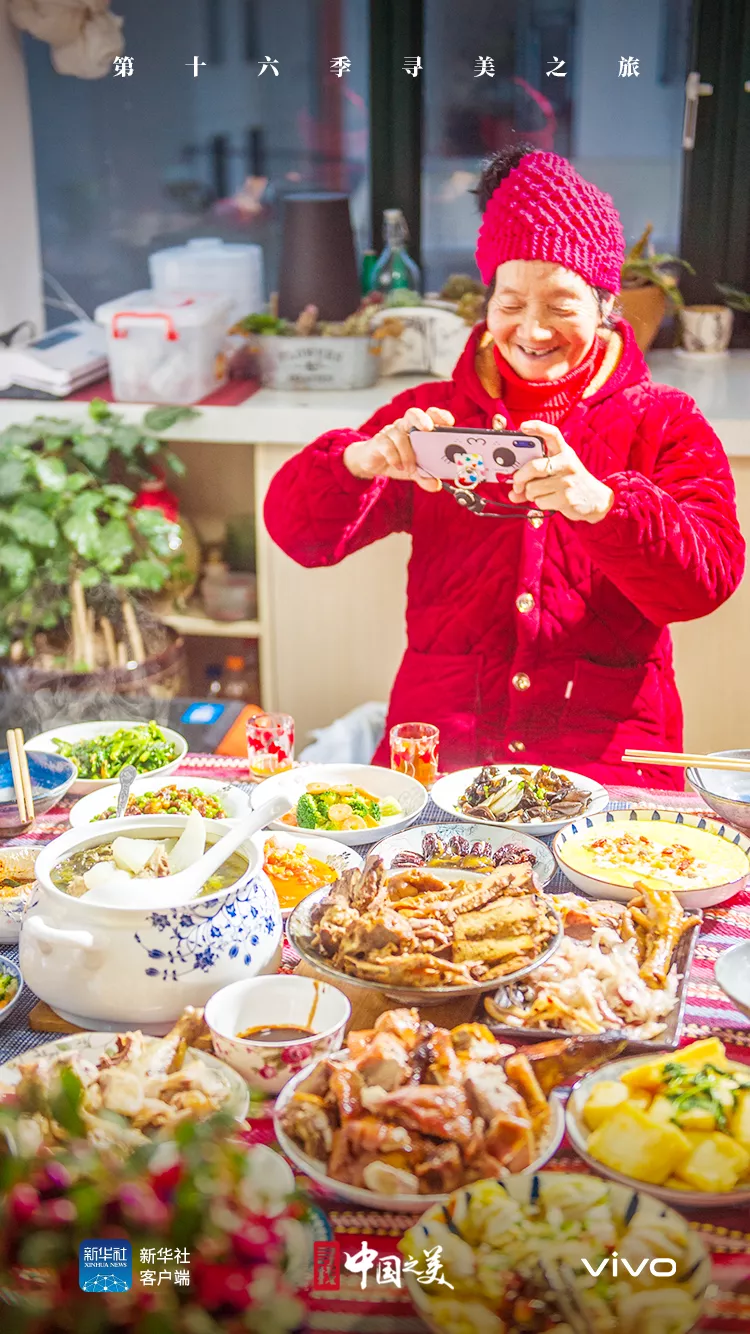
(543, 640)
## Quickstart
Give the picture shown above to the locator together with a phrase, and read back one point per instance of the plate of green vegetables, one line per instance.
(100, 750)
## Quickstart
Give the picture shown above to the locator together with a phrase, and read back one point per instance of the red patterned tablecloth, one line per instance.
(386, 1309)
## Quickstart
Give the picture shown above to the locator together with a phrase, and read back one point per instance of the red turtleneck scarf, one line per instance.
(546, 400)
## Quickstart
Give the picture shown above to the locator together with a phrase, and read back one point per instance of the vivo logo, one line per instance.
(661, 1267)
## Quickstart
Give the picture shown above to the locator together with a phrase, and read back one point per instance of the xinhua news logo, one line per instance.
(105, 1265)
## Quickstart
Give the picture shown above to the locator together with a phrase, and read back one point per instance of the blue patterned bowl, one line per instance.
(51, 776)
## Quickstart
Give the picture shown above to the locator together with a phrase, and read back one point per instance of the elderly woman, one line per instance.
(542, 637)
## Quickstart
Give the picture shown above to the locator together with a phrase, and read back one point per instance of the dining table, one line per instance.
(374, 1302)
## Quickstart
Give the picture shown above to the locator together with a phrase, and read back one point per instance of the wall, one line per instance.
(20, 296)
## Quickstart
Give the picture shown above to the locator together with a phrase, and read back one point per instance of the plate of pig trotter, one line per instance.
(422, 935)
(409, 1112)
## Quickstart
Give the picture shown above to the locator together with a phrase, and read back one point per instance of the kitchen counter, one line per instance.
(720, 387)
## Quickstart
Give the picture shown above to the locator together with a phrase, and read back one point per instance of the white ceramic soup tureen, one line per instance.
(119, 968)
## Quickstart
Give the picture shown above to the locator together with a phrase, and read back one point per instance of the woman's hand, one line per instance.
(390, 453)
(560, 482)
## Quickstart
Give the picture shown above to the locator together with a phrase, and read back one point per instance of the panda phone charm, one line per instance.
(468, 457)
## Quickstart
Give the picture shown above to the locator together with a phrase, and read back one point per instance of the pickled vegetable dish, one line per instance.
(144, 746)
(341, 808)
(8, 989)
(295, 873)
(171, 800)
(522, 795)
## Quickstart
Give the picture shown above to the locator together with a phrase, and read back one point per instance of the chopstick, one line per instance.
(680, 760)
(19, 765)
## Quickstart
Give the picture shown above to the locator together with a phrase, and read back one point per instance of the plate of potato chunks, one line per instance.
(678, 1122)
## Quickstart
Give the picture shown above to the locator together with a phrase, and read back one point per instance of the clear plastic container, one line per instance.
(207, 264)
(229, 596)
(165, 349)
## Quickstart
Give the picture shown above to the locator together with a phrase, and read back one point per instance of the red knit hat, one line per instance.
(544, 210)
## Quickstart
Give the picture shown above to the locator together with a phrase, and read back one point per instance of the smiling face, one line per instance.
(543, 318)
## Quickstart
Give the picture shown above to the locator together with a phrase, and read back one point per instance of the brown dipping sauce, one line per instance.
(276, 1035)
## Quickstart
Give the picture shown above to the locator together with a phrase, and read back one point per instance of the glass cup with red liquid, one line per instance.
(270, 744)
(414, 751)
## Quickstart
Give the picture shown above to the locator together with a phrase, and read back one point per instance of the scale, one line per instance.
(59, 362)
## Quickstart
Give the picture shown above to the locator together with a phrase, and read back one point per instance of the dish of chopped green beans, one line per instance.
(171, 800)
(144, 746)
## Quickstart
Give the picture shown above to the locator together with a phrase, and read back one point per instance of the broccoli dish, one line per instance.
(344, 807)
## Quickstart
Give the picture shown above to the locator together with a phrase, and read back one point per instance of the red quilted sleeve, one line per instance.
(318, 513)
(672, 542)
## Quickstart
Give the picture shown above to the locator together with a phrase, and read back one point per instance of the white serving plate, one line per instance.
(448, 790)
(300, 931)
(578, 1134)
(335, 855)
(85, 731)
(236, 803)
(732, 972)
(411, 841)
(13, 908)
(371, 777)
(524, 1189)
(93, 1044)
(601, 888)
(370, 1199)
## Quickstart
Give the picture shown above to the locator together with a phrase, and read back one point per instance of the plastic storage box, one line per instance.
(209, 265)
(165, 349)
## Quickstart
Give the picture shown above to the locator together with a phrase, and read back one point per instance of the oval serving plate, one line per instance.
(370, 1199)
(236, 1103)
(75, 732)
(578, 1135)
(235, 802)
(606, 822)
(448, 790)
(381, 782)
(299, 928)
(499, 837)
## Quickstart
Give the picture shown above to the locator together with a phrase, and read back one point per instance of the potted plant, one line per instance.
(79, 561)
(221, 1241)
(649, 287)
(309, 353)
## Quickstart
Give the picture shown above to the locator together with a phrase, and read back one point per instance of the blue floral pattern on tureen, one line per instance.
(199, 936)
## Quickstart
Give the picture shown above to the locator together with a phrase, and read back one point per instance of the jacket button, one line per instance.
(516, 746)
(524, 603)
(536, 520)
(520, 681)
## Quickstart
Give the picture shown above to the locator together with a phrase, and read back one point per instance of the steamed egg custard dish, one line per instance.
(676, 855)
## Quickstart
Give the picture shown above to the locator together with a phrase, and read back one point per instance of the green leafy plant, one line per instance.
(642, 267)
(66, 514)
(734, 297)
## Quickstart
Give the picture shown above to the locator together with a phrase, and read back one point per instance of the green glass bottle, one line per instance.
(395, 269)
(369, 260)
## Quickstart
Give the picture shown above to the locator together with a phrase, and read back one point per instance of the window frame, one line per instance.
(715, 217)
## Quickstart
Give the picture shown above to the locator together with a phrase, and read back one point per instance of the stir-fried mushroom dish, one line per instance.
(523, 795)
(415, 929)
(413, 1109)
(137, 1087)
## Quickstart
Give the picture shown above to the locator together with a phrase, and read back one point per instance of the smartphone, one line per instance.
(467, 457)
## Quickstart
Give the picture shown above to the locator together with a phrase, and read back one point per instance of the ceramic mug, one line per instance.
(706, 329)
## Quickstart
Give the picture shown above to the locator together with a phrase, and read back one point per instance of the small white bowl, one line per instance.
(235, 802)
(85, 731)
(381, 782)
(598, 887)
(336, 855)
(732, 972)
(293, 1002)
(13, 862)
